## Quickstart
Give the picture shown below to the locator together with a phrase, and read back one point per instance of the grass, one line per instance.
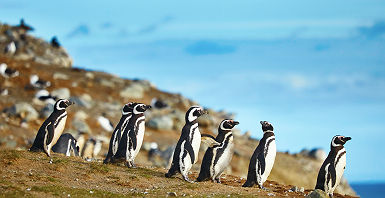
(9, 156)
(99, 168)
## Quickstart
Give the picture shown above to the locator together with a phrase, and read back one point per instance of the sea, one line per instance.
(369, 190)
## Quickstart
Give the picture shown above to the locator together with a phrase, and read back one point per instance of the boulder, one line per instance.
(318, 154)
(81, 126)
(46, 110)
(161, 123)
(23, 110)
(317, 193)
(60, 76)
(135, 91)
(62, 93)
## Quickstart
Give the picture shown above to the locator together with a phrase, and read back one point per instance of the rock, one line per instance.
(90, 75)
(84, 100)
(145, 84)
(80, 115)
(161, 123)
(294, 189)
(62, 93)
(60, 76)
(172, 194)
(318, 154)
(302, 189)
(81, 126)
(317, 193)
(106, 83)
(23, 110)
(135, 91)
(46, 110)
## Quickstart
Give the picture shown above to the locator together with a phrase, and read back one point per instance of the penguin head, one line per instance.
(75, 147)
(140, 108)
(193, 113)
(62, 104)
(266, 126)
(339, 140)
(128, 108)
(227, 124)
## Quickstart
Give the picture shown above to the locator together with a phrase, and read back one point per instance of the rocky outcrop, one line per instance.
(29, 48)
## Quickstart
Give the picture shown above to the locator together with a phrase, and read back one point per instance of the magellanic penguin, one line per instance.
(186, 150)
(330, 173)
(218, 157)
(263, 158)
(67, 145)
(132, 137)
(8, 72)
(119, 130)
(52, 128)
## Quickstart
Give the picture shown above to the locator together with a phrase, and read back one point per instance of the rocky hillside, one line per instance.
(97, 94)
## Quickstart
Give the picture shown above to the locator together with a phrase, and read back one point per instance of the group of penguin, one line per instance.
(127, 137)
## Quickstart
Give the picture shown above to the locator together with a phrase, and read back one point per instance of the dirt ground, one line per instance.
(27, 174)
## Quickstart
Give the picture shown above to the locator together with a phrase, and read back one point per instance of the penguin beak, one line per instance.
(148, 107)
(235, 122)
(346, 139)
(70, 102)
(261, 122)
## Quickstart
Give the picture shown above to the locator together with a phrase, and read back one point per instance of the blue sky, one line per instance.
(314, 69)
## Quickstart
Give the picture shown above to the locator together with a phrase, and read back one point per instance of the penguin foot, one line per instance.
(130, 164)
(217, 180)
(188, 180)
(248, 184)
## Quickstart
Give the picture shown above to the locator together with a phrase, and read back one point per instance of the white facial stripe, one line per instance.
(334, 144)
(58, 105)
(191, 116)
(222, 123)
(136, 111)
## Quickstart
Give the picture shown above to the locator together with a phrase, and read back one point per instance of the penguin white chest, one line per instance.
(59, 129)
(270, 151)
(196, 141)
(225, 158)
(340, 164)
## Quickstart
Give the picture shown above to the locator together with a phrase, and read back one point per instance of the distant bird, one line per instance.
(24, 26)
(154, 151)
(158, 104)
(36, 82)
(119, 130)
(55, 42)
(263, 158)
(52, 128)
(331, 171)
(8, 72)
(132, 139)
(67, 145)
(186, 150)
(10, 49)
(44, 96)
(218, 156)
(105, 123)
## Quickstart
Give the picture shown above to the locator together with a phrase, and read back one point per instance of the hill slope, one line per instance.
(29, 174)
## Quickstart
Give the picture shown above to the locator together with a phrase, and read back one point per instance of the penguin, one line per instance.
(186, 150)
(158, 104)
(24, 26)
(10, 49)
(132, 137)
(55, 42)
(82, 139)
(36, 82)
(44, 96)
(67, 145)
(52, 128)
(118, 132)
(8, 72)
(332, 169)
(88, 149)
(263, 158)
(218, 156)
(105, 123)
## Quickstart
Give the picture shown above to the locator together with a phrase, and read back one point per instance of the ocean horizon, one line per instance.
(368, 189)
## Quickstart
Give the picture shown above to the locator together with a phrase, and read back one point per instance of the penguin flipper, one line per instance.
(332, 172)
(262, 162)
(190, 150)
(209, 140)
(251, 174)
(50, 132)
